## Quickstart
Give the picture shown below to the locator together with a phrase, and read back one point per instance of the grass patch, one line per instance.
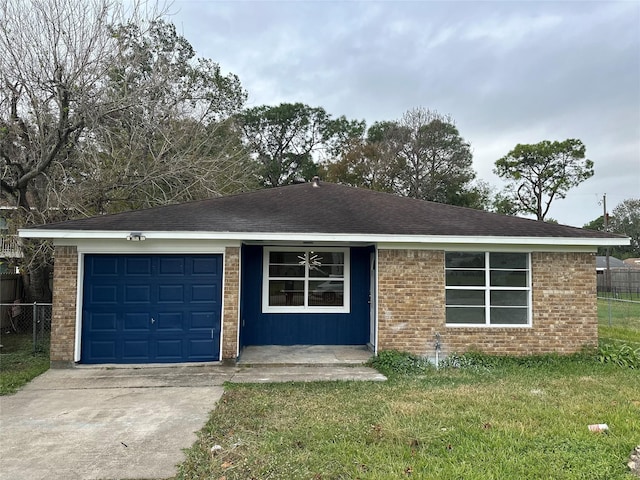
(619, 322)
(506, 420)
(622, 314)
(393, 362)
(18, 364)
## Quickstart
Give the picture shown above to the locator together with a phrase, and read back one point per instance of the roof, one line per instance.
(324, 209)
(601, 263)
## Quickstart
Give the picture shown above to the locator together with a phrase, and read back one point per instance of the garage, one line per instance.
(151, 308)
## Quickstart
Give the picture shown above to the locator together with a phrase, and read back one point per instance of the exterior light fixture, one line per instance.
(136, 237)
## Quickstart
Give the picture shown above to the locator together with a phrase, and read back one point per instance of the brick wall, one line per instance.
(231, 292)
(411, 307)
(410, 299)
(63, 324)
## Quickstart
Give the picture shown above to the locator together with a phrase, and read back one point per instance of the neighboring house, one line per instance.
(632, 262)
(624, 276)
(10, 249)
(317, 263)
(614, 264)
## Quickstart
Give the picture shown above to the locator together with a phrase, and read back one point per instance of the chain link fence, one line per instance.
(27, 320)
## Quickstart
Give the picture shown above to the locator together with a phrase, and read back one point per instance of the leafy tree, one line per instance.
(369, 162)
(422, 155)
(597, 224)
(435, 161)
(284, 139)
(542, 172)
(504, 204)
(625, 219)
(177, 141)
(96, 103)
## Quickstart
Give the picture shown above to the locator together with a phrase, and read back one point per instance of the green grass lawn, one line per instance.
(524, 422)
(619, 321)
(18, 364)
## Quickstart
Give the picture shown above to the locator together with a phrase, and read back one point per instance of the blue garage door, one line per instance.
(151, 308)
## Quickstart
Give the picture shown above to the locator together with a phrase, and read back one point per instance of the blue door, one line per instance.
(151, 308)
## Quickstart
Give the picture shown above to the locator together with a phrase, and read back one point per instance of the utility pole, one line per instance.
(607, 277)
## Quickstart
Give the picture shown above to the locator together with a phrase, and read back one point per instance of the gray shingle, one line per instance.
(328, 208)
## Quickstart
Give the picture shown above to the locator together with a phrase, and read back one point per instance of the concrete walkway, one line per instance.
(124, 423)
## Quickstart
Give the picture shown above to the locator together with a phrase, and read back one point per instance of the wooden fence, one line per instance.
(622, 281)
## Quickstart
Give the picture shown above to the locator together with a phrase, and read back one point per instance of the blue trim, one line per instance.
(259, 328)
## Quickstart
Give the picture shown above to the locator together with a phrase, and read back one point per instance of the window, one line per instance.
(300, 280)
(487, 288)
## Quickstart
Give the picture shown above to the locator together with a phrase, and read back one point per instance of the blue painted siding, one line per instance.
(151, 308)
(259, 328)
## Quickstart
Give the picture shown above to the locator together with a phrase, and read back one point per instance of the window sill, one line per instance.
(486, 327)
(303, 310)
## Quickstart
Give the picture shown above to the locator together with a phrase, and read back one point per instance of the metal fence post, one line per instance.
(35, 324)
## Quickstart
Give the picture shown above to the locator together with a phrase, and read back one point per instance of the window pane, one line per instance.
(328, 293)
(461, 278)
(327, 257)
(286, 270)
(465, 297)
(509, 298)
(464, 260)
(326, 271)
(508, 260)
(326, 264)
(289, 258)
(465, 315)
(286, 292)
(508, 279)
(508, 316)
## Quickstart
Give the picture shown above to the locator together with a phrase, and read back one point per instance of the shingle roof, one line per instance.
(601, 263)
(328, 208)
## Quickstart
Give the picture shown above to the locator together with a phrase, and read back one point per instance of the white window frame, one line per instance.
(487, 293)
(345, 308)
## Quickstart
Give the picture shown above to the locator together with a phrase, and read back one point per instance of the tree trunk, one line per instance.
(36, 284)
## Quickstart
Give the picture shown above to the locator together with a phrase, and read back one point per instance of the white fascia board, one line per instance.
(122, 246)
(390, 241)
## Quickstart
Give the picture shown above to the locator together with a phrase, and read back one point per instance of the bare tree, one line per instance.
(97, 98)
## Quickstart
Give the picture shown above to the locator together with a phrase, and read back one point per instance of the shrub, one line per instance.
(393, 362)
(619, 354)
(477, 360)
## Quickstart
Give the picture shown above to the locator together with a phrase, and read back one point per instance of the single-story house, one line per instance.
(632, 262)
(317, 264)
(614, 264)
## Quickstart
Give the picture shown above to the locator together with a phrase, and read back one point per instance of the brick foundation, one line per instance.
(412, 307)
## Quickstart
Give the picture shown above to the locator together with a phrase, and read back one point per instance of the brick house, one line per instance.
(317, 264)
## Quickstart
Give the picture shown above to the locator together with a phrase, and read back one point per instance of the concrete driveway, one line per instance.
(123, 423)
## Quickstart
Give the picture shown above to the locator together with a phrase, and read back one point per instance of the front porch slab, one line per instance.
(311, 355)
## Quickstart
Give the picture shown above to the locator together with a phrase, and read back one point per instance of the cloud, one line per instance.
(507, 72)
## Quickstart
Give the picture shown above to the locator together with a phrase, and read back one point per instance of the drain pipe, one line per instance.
(438, 347)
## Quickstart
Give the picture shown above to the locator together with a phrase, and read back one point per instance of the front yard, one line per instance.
(494, 419)
(508, 421)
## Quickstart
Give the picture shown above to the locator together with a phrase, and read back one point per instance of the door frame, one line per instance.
(373, 300)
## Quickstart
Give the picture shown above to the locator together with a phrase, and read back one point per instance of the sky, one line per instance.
(507, 72)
